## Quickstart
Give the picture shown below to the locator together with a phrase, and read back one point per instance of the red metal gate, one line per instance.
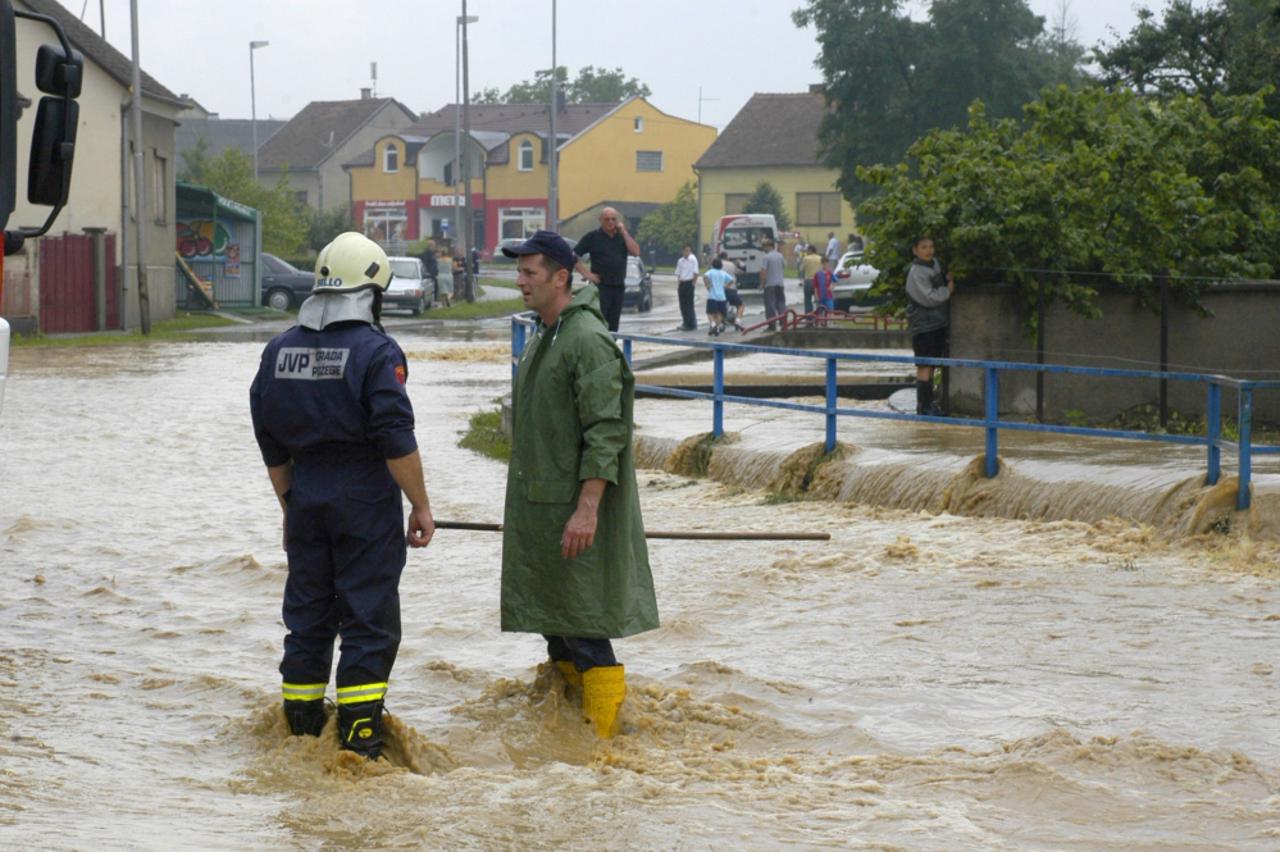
(67, 301)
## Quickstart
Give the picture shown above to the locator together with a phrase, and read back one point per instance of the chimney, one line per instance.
(366, 93)
(817, 88)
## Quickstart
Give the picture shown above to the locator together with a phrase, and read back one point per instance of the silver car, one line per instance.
(854, 278)
(409, 289)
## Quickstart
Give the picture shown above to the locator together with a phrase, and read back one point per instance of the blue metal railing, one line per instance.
(990, 422)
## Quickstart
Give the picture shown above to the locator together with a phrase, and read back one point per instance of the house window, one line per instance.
(520, 222)
(390, 159)
(735, 202)
(648, 161)
(160, 188)
(526, 156)
(817, 208)
(300, 196)
(638, 124)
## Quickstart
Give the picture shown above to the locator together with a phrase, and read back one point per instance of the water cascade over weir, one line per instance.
(1181, 507)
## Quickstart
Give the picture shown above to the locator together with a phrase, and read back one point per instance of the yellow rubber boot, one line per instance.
(570, 673)
(603, 689)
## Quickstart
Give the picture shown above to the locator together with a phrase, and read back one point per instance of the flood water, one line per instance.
(922, 681)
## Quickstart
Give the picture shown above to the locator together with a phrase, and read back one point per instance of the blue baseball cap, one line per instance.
(547, 243)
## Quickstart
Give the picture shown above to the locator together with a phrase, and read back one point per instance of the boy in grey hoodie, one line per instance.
(928, 313)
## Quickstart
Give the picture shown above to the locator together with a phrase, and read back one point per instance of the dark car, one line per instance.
(284, 286)
(638, 286)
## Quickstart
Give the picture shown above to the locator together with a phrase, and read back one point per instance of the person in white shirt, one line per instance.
(686, 276)
(833, 248)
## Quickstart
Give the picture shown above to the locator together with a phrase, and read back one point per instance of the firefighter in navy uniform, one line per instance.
(335, 427)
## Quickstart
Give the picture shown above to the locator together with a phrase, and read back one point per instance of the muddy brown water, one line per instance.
(923, 681)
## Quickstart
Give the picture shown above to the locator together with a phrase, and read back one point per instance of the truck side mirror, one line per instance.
(57, 73)
(53, 147)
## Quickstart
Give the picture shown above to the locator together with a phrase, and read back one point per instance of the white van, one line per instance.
(742, 236)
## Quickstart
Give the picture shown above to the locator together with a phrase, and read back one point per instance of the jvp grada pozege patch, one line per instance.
(297, 362)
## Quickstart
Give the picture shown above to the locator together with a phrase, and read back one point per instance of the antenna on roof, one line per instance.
(373, 72)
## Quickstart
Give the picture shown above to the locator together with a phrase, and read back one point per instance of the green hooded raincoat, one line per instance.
(572, 412)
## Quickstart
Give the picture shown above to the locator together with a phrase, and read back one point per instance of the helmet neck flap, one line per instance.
(324, 309)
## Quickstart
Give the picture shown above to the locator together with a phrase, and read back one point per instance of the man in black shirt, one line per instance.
(609, 246)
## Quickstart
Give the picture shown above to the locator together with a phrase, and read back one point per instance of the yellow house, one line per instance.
(624, 154)
(774, 138)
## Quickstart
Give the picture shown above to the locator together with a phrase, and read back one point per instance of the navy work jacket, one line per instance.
(333, 394)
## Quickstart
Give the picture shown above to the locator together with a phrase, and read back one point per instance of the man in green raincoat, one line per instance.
(574, 563)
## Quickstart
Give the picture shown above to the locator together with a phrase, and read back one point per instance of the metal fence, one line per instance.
(1213, 440)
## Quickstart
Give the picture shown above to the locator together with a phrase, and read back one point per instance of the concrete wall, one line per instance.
(1239, 340)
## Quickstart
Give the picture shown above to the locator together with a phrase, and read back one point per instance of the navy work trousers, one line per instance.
(346, 546)
(583, 653)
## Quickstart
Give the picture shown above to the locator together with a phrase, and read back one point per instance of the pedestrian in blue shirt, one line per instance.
(717, 305)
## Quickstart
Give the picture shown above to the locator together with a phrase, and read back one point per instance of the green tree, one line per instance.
(592, 85)
(1108, 185)
(324, 225)
(285, 224)
(766, 199)
(674, 223)
(890, 79)
(1228, 47)
(194, 162)
(600, 85)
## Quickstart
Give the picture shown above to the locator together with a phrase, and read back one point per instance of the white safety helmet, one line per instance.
(351, 262)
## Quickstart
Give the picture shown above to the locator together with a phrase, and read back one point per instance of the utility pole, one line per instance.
(553, 148)
(469, 292)
(139, 178)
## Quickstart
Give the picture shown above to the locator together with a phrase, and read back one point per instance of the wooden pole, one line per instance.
(691, 535)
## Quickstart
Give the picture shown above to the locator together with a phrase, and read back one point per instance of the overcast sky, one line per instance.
(322, 49)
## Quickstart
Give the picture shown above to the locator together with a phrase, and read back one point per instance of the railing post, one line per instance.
(831, 404)
(626, 350)
(517, 345)
(1213, 432)
(717, 417)
(1246, 445)
(992, 398)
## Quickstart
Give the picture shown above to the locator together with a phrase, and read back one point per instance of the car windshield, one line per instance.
(404, 268)
(281, 266)
(746, 238)
(633, 271)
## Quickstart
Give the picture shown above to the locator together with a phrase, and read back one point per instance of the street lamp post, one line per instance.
(553, 153)
(469, 291)
(253, 103)
(457, 125)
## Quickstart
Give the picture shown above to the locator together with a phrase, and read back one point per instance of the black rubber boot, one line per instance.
(924, 397)
(360, 728)
(305, 717)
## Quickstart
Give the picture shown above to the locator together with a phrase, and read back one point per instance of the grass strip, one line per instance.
(170, 329)
(484, 435)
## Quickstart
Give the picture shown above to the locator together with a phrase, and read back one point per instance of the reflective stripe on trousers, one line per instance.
(302, 691)
(361, 693)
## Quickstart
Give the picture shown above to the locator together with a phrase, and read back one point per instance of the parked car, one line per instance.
(854, 278)
(284, 286)
(638, 286)
(410, 289)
